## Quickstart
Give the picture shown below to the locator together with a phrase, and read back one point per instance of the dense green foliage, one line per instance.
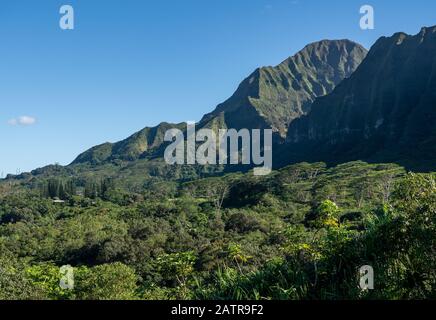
(132, 227)
(300, 233)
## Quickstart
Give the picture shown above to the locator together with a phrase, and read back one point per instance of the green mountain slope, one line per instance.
(272, 97)
(141, 143)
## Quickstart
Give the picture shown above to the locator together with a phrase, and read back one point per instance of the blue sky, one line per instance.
(134, 63)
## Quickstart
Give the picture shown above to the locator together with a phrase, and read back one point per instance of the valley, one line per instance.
(353, 184)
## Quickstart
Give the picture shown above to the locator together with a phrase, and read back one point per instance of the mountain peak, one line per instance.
(272, 97)
(327, 43)
(425, 30)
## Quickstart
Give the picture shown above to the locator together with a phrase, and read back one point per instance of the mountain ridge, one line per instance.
(129, 149)
(271, 97)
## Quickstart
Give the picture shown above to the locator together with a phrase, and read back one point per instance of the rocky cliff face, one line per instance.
(386, 110)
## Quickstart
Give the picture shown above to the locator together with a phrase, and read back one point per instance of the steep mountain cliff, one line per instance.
(385, 111)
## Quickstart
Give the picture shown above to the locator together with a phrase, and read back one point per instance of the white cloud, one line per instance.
(22, 121)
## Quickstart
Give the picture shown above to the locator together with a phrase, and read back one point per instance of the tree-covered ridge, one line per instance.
(297, 234)
(141, 143)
